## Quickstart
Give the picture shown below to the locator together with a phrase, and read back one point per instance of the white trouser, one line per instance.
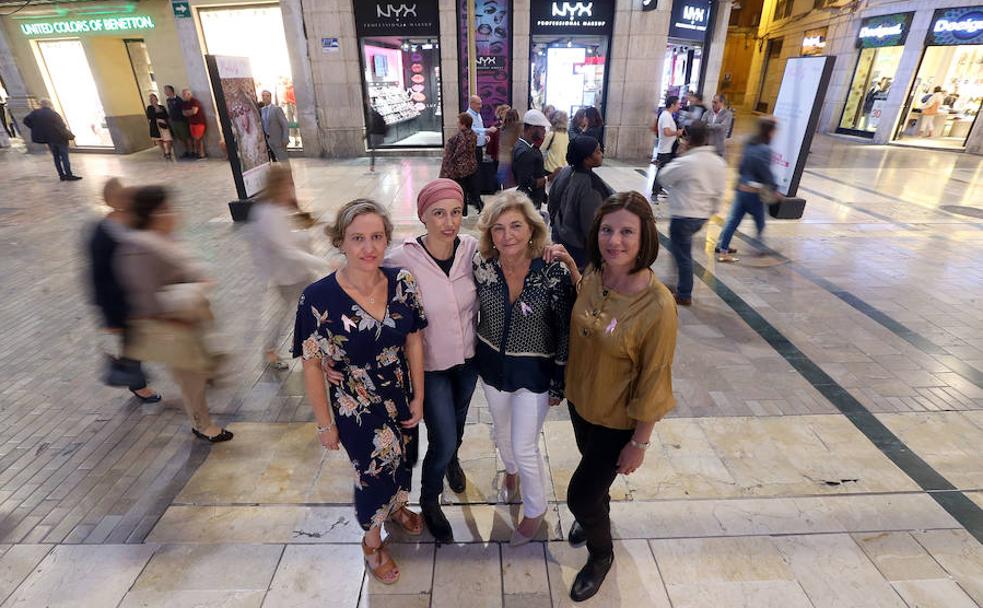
(517, 419)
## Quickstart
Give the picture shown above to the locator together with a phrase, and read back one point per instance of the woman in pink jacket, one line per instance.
(441, 262)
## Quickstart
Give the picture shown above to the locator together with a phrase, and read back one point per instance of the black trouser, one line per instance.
(588, 494)
(661, 160)
(472, 191)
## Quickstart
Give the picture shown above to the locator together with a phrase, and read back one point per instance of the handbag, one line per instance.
(123, 372)
(174, 344)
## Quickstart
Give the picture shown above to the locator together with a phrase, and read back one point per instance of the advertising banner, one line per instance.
(493, 36)
(797, 110)
(389, 18)
(953, 26)
(242, 127)
(814, 42)
(885, 30)
(556, 17)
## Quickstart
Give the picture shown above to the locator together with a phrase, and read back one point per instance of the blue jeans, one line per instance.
(60, 154)
(446, 397)
(744, 202)
(681, 231)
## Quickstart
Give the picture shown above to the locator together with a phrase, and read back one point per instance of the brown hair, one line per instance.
(637, 204)
(351, 210)
(465, 119)
(511, 200)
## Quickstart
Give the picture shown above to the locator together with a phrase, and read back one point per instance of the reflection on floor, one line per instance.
(423, 139)
(939, 143)
(757, 492)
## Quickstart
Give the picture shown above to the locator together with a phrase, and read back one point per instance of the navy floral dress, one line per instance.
(376, 391)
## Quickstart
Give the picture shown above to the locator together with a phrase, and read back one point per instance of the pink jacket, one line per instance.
(451, 303)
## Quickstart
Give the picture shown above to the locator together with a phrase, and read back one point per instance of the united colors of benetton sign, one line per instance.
(87, 26)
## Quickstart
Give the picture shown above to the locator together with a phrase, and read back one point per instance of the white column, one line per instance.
(20, 101)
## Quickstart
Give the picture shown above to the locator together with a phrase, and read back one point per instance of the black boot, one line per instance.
(455, 476)
(438, 525)
(591, 577)
(577, 536)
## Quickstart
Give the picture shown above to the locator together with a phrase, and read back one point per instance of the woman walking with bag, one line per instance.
(169, 311)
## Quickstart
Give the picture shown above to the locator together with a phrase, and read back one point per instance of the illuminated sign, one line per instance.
(689, 19)
(953, 26)
(884, 30)
(87, 26)
(814, 42)
(555, 17)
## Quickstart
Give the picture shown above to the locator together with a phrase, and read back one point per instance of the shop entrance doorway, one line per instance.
(945, 100)
(256, 32)
(568, 73)
(143, 72)
(681, 70)
(73, 91)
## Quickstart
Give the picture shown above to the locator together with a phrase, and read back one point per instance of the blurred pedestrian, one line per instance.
(108, 294)
(576, 195)
(510, 132)
(696, 181)
(280, 253)
(756, 182)
(194, 113)
(160, 128)
(555, 145)
(528, 166)
(459, 163)
(478, 126)
(367, 322)
(47, 127)
(168, 305)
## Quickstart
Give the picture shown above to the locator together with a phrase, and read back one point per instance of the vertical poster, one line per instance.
(242, 127)
(797, 109)
(493, 45)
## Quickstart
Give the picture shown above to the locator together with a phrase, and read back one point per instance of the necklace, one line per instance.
(370, 295)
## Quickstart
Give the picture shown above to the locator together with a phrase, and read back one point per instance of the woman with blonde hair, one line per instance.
(283, 263)
(555, 145)
(365, 321)
(523, 330)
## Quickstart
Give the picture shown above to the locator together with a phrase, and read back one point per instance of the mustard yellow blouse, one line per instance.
(620, 368)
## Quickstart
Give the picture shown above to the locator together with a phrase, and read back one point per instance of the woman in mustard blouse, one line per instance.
(619, 372)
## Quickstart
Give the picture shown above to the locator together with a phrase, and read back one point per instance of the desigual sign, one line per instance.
(564, 17)
(87, 26)
(953, 26)
(395, 18)
(884, 30)
(690, 19)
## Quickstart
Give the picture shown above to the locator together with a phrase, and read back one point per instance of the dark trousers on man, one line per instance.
(60, 153)
(681, 231)
(472, 191)
(661, 160)
(588, 494)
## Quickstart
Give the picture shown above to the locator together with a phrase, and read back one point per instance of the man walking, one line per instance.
(276, 127)
(179, 124)
(478, 126)
(47, 127)
(668, 132)
(528, 165)
(719, 121)
(696, 181)
(195, 115)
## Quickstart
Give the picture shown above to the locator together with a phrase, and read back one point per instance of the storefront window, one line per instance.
(402, 85)
(568, 74)
(256, 32)
(947, 92)
(871, 84)
(689, 26)
(74, 91)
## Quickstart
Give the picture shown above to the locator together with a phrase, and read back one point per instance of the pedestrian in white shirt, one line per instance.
(280, 254)
(478, 126)
(696, 181)
(668, 133)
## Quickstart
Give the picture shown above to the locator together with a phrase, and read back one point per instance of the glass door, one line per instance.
(74, 91)
(142, 70)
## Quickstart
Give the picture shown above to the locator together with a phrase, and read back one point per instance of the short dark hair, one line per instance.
(766, 128)
(938, 90)
(671, 100)
(171, 87)
(696, 96)
(696, 134)
(637, 204)
(593, 116)
(146, 201)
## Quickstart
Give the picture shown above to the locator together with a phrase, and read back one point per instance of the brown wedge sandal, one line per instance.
(410, 522)
(384, 571)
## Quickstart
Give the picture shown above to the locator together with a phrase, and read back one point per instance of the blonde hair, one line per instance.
(560, 121)
(351, 210)
(278, 179)
(511, 200)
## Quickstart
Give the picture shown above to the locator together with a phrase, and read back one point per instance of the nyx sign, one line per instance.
(490, 62)
(564, 17)
(690, 19)
(396, 18)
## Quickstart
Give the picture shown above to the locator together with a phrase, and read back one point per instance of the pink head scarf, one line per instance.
(440, 189)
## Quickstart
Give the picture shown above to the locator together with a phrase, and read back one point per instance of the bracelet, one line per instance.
(639, 444)
(323, 429)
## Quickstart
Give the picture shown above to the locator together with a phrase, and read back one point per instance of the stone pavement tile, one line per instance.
(947, 441)
(719, 560)
(634, 579)
(416, 563)
(317, 575)
(394, 601)
(468, 575)
(17, 562)
(898, 556)
(210, 567)
(961, 556)
(976, 497)
(82, 576)
(483, 523)
(564, 458)
(942, 593)
(524, 577)
(261, 524)
(740, 594)
(193, 599)
(835, 573)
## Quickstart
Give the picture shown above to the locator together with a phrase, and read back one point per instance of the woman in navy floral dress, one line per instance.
(364, 321)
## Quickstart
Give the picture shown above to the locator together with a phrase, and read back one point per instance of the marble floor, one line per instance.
(825, 452)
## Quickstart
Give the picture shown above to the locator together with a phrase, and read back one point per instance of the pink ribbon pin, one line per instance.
(525, 309)
(611, 326)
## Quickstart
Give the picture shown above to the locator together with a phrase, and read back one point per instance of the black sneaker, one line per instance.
(71, 178)
(436, 522)
(591, 577)
(729, 250)
(455, 476)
